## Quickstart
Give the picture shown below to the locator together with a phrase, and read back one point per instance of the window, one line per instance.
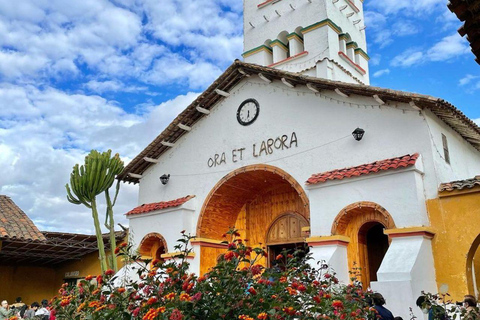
(446, 153)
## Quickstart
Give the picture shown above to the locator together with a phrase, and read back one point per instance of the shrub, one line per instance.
(238, 287)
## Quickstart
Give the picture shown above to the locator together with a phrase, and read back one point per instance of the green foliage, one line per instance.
(238, 287)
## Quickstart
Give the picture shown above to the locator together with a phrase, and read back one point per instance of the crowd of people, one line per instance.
(21, 310)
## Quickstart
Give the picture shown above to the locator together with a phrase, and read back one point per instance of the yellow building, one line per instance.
(34, 264)
(455, 220)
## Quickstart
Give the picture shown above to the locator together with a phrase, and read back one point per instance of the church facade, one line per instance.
(268, 148)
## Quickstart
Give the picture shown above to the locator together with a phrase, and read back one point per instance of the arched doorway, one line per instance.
(473, 268)
(285, 234)
(152, 246)
(251, 199)
(363, 223)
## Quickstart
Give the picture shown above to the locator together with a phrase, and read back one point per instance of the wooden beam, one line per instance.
(184, 127)
(151, 160)
(414, 106)
(264, 78)
(378, 99)
(134, 175)
(243, 72)
(167, 144)
(312, 88)
(288, 84)
(340, 93)
(202, 110)
(222, 93)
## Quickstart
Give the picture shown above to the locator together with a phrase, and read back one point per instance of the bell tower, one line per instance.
(318, 38)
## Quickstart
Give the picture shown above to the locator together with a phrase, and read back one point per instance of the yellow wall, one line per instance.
(30, 283)
(455, 219)
(37, 283)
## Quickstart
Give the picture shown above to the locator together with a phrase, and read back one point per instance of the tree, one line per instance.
(88, 181)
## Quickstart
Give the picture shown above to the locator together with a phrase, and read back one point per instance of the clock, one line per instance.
(248, 112)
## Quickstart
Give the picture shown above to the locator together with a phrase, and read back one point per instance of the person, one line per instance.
(5, 312)
(18, 303)
(434, 312)
(30, 313)
(471, 310)
(378, 302)
(43, 311)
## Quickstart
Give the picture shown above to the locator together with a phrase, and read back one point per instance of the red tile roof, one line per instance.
(15, 224)
(460, 184)
(364, 169)
(149, 207)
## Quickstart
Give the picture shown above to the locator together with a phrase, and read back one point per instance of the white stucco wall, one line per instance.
(323, 125)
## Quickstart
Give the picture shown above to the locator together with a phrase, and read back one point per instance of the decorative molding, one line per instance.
(280, 44)
(209, 243)
(425, 232)
(323, 23)
(338, 240)
(351, 63)
(295, 36)
(173, 255)
(362, 53)
(257, 50)
(298, 55)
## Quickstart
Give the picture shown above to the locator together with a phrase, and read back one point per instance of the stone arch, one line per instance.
(286, 228)
(153, 245)
(233, 196)
(472, 274)
(363, 223)
(376, 213)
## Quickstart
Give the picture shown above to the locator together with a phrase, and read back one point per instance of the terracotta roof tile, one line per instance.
(364, 169)
(149, 207)
(15, 224)
(460, 184)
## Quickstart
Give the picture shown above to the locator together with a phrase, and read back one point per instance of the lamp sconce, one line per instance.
(358, 134)
(164, 179)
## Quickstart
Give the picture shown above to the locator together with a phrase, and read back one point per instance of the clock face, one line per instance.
(248, 112)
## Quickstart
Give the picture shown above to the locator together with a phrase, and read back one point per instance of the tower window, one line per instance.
(446, 153)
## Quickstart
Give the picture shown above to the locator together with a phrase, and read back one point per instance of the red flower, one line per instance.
(279, 257)
(337, 304)
(252, 290)
(109, 272)
(176, 315)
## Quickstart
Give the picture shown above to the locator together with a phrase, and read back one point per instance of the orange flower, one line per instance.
(121, 290)
(262, 316)
(337, 304)
(184, 297)
(89, 277)
(170, 296)
(244, 317)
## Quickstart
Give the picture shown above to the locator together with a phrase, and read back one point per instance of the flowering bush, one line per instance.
(238, 287)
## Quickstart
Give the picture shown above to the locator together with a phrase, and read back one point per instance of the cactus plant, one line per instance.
(89, 180)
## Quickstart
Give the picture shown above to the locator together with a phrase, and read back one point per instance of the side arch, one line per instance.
(470, 271)
(363, 223)
(363, 212)
(153, 245)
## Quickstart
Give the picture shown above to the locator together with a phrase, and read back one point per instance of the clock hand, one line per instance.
(248, 114)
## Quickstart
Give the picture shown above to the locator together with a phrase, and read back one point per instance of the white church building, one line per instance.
(268, 148)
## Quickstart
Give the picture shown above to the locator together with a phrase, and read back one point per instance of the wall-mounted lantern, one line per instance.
(358, 134)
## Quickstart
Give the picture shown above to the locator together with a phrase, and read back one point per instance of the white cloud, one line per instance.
(40, 40)
(477, 121)
(111, 85)
(44, 132)
(467, 79)
(408, 7)
(450, 47)
(380, 73)
(408, 58)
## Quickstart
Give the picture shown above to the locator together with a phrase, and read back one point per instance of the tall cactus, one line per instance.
(86, 183)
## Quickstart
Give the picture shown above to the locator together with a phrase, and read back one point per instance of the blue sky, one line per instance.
(83, 74)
